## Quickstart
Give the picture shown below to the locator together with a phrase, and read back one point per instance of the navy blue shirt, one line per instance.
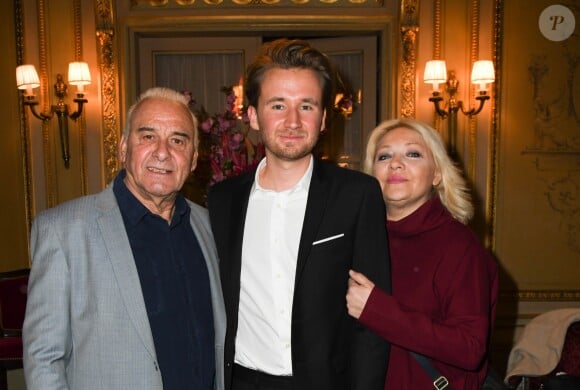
(176, 290)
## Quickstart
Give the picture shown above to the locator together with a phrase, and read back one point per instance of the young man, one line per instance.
(287, 235)
(124, 289)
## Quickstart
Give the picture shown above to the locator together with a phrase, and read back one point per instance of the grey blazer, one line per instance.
(86, 326)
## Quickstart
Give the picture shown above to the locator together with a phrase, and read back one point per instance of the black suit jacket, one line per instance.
(330, 350)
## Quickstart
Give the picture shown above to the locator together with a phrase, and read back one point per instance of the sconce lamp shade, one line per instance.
(27, 78)
(435, 73)
(482, 73)
(79, 75)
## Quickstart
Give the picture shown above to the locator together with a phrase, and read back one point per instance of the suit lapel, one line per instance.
(117, 244)
(201, 229)
(202, 236)
(315, 208)
(238, 212)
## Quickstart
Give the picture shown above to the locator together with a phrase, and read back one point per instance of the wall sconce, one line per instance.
(79, 75)
(436, 73)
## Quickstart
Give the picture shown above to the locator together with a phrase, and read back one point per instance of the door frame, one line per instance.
(383, 27)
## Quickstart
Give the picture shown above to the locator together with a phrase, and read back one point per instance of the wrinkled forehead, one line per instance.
(162, 112)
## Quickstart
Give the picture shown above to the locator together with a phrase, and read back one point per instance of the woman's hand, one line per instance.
(359, 289)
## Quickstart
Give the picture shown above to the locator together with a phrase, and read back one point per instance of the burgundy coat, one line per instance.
(443, 301)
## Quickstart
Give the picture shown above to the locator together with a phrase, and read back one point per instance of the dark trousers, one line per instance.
(247, 379)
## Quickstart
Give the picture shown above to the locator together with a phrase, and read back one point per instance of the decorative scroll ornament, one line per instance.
(176, 4)
(409, 31)
(109, 82)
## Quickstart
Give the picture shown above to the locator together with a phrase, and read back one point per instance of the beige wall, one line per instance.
(14, 226)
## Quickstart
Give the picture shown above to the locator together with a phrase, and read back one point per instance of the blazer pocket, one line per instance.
(330, 238)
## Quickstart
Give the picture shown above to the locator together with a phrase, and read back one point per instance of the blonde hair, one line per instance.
(452, 190)
(166, 94)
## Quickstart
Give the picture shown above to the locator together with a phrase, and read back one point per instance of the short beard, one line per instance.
(291, 153)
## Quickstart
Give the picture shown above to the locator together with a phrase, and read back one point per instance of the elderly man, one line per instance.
(124, 288)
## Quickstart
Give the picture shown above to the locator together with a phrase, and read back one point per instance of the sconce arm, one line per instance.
(32, 104)
(436, 99)
(79, 100)
(481, 98)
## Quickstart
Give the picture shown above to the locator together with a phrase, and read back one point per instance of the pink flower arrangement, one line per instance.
(224, 141)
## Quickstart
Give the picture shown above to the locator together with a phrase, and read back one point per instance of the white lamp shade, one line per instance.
(435, 73)
(78, 73)
(26, 77)
(482, 73)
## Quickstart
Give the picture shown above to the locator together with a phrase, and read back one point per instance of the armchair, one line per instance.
(13, 294)
(547, 356)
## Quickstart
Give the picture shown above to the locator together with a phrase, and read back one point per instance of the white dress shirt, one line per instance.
(269, 253)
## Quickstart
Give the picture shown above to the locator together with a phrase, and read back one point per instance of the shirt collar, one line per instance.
(134, 211)
(302, 185)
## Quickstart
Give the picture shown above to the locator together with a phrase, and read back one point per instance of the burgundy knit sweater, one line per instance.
(443, 301)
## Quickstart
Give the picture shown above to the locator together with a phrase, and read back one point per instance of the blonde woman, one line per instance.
(444, 281)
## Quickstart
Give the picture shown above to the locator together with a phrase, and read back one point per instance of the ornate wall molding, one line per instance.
(23, 114)
(109, 85)
(474, 56)
(181, 4)
(437, 11)
(542, 295)
(437, 29)
(409, 30)
(80, 123)
(50, 178)
(493, 157)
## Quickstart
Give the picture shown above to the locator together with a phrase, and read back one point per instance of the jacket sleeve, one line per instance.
(371, 257)
(46, 330)
(465, 286)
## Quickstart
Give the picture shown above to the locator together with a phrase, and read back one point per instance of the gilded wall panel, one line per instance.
(537, 206)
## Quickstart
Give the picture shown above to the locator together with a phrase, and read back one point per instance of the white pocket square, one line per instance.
(328, 239)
